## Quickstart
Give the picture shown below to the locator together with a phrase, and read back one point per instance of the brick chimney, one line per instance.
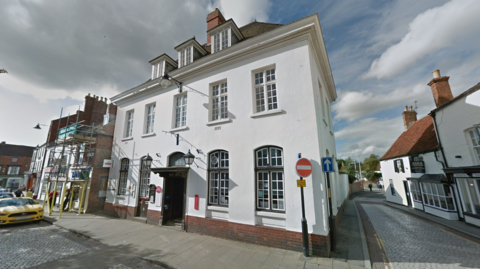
(213, 19)
(409, 117)
(440, 88)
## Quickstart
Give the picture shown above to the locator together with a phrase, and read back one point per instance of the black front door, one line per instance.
(174, 199)
(407, 192)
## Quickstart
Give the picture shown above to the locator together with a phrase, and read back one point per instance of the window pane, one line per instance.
(272, 96)
(473, 194)
(464, 190)
(260, 99)
(262, 191)
(277, 190)
(224, 39)
(213, 195)
(259, 78)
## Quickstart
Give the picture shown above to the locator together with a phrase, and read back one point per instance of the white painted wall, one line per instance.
(296, 129)
(388, 172)
(452, 123)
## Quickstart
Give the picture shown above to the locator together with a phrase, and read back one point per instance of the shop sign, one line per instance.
(107, 163)
(417, 165)
(66, 131)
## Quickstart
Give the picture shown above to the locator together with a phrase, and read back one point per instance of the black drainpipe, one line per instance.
(445, 165)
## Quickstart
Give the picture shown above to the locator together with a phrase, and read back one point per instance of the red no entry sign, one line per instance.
(303, 167)
(158, 189)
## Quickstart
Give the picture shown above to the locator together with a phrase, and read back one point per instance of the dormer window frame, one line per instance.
(185, 56)
(218, 38)
(218, 31)
(158, 69)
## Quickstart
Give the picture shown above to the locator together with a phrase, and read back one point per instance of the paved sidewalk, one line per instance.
(176, 249)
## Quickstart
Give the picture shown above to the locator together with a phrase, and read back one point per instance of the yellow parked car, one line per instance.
(16, 210)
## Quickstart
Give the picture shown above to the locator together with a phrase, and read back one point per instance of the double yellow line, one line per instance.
(381, 245)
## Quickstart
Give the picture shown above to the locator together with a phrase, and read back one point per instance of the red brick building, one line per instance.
(14, 162)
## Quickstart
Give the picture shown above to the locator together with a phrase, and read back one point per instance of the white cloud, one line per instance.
(369, 136)
(245, 11)
(353, 105)
(449, 25)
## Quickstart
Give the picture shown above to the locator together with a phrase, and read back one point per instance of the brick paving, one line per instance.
(30, 245)
(409, 242)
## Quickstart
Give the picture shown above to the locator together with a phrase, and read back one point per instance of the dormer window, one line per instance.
(221, 40)
(189, 51)
(158, 69)
(162, 64)
(185, 56)
(224, 35)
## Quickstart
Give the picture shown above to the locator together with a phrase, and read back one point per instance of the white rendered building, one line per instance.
(457, 122)
(250, 100)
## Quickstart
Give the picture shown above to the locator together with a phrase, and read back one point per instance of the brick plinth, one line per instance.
(123, 212)
(260, 235)
(153, 217)
(128, 212)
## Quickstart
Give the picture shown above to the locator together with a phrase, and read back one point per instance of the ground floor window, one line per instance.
(437, 195)
(416, 193)
(470, 190)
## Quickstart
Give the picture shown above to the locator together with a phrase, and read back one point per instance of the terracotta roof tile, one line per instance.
(420, 137)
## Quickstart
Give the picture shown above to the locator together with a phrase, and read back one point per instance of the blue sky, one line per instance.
(381, 53)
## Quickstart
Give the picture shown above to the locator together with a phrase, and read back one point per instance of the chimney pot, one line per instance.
(436, 74)
(411, 108)
(405, 108)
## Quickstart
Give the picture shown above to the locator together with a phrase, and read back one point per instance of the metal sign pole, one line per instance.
(331, 218)
(304, 225)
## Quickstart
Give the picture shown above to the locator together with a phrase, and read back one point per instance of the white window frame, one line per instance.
(180, 112)
(473, 137)
(129, 120)
(431, 191)
(144, 179)
(220, 42)
(13, 170)
(218, 181)
(149, 119)
(218, 101)
(415, 190)
(157, 69)
(261, 88)
(185, 56)
(268, 169)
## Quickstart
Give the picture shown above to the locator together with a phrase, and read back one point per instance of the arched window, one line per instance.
(144, 178)
(270, 179)
(176, 159)
(218, 178)
(122, 182)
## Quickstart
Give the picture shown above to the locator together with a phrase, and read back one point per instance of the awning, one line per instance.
(180, 171)
(435, 178)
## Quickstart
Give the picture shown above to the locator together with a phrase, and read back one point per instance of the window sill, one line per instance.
(210, 123)
(271, 215)
(217, 208)
(149, 134)
(127, 138)
(179, 129)
(267, 113)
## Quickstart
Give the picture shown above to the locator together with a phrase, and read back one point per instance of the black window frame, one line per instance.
(124, 163)
(219, 169)
(269, 168)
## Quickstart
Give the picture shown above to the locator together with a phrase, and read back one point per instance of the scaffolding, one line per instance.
(70, 164)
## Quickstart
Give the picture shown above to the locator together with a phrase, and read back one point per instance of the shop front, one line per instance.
(468, 181)
(433, 194)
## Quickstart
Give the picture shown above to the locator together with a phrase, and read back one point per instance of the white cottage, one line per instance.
(457, 122)
(245, 104)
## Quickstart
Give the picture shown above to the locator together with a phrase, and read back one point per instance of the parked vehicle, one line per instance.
(6, 195)
(17, 210)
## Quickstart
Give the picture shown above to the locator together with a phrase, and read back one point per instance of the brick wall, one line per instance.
(124, 212)
(153, 217)
(260, 235)
(23, 162)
